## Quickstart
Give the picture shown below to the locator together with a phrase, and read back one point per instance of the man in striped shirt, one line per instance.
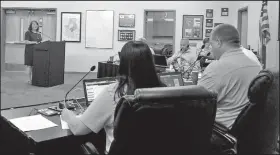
(229, 77)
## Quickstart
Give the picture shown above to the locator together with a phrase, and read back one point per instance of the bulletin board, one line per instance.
(192, 27)
(99, 29)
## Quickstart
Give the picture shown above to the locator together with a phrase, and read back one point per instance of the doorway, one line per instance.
(159, 29)
(242, 25)
(14, 24)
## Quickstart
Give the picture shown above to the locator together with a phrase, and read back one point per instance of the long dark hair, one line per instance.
(136, 69)
(30, 25)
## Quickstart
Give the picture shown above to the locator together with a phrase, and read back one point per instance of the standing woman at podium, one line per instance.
(32, 37)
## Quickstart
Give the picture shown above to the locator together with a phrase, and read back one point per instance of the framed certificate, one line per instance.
(208, 32)
(224, 12)
(126, 20)
(209, 22)
(209, 13)
(126, 35)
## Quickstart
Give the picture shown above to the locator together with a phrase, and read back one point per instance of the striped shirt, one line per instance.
(229, 77)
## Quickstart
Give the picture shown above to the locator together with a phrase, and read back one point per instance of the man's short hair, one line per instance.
(142, 39)
(226, 33)
(206, 40)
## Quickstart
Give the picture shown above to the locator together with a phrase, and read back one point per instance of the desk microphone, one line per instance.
(60, 104)
(197, 59)
(198, 56)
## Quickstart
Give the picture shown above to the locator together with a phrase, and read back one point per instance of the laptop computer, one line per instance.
(160, 61)
(92, 87)
(171, 79)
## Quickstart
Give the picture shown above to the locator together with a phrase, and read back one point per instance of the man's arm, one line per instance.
(208, 78)
(172, 58)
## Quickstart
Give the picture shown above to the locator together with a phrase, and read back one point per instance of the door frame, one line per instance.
(160, 10)
(239, 20)
(3, 37)
(3, 29)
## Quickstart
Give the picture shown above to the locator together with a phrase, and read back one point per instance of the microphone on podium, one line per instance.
(45, 35)
(61, 106)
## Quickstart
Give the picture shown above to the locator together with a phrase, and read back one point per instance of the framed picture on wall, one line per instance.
(127, 20)
(209, 13)
(126, 35)
(224, 12)
(192, 27)
(70, 26)
(209, 22)
(208, 32)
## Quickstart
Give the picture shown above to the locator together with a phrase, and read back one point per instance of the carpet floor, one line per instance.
(16, 92)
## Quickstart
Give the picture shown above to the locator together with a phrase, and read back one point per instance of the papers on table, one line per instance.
(64, 125)
(29, 123)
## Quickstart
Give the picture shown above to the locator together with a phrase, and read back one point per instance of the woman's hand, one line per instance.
(66, 114)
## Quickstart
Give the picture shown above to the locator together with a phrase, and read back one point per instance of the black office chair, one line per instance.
(164, 121)
(256, 129)
(167, 50)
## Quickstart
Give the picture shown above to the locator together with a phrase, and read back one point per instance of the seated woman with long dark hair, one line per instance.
(136, 70)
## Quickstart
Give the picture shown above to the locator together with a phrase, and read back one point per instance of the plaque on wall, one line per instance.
(209, 22)
(224, 12)
(208, 32)
(126, 35)
(126, 20)
(209, 13)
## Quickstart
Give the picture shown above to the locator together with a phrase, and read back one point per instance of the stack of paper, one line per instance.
(29, 123)
(64, 125)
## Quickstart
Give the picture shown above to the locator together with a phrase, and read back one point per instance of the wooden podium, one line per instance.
(48, 64)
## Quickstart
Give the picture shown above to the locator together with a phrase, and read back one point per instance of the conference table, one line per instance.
(49, 141)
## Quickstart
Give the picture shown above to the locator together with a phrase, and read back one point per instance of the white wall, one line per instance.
(79, 59)
(254, 11)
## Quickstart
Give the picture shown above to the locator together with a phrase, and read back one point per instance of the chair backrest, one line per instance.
(164, 121)
(167, 50)
(257, 126)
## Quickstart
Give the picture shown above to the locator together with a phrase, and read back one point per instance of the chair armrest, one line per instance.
(226, 136)
(223, 132)
(222, 141)
(220, 127)
(89, 149)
